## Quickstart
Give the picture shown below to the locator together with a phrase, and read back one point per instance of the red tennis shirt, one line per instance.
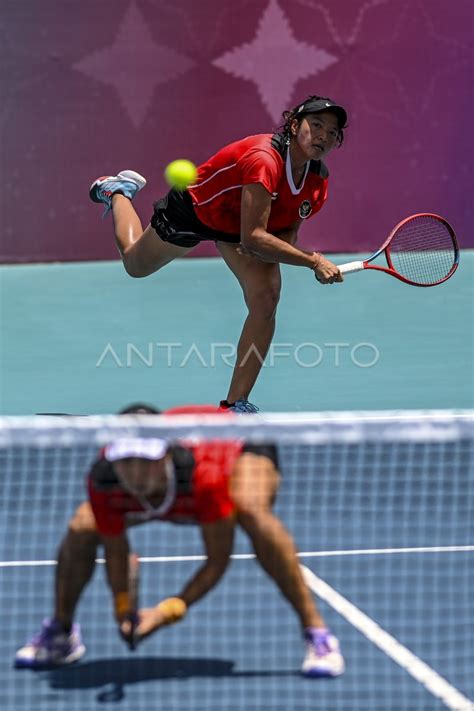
(260, 159)
(202, 485)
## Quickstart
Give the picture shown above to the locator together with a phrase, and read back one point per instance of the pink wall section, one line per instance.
(93, 87)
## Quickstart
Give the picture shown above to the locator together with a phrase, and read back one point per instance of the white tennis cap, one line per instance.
(150, 448)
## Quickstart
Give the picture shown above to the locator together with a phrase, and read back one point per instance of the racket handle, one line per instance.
(351, 267)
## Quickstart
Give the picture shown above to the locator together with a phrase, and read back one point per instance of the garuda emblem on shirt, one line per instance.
(305, 209)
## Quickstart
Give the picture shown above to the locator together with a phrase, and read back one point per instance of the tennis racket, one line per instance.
(421, 250)
(133, 587)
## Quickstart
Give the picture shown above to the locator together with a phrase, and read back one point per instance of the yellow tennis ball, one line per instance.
(180, 173)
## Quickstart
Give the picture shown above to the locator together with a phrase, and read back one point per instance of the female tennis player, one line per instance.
(250, 198)
(214, 485)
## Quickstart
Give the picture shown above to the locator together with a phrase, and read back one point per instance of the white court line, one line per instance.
(388, 551)
(249, 556)
(419, 670)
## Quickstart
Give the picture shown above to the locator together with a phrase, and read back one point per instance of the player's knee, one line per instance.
(250, 506)
(135, 274)
(78, 544)
(264, 301)
(133, 269)
(83, 521)
(251, 518)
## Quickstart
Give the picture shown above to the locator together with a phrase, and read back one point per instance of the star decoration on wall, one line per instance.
(134, 65)
(275, 60)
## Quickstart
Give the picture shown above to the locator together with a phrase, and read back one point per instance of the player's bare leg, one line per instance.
(76, 563)
(142, 252)
(261, 284)
(254, 486)
(59, 640)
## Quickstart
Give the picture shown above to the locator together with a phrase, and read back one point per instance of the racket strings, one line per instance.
(423, 250)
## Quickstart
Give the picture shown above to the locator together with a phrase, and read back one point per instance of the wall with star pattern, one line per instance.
(91, 87)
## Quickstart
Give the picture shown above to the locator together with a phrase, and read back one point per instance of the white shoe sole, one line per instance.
(125, 175)
(34, 663)
(134, 177)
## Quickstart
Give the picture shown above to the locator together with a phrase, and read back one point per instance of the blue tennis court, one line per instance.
(393, 554)
(86, 338)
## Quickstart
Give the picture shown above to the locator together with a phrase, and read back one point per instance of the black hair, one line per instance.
(298, 114)
(139, 408)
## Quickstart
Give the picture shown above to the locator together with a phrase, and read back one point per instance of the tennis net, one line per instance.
(380, 506)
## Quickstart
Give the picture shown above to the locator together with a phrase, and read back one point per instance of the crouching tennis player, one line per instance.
(214, 485)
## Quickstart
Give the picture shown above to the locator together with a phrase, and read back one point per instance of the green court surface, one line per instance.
(86, 338)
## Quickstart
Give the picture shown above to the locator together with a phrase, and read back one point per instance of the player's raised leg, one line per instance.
(142, 251)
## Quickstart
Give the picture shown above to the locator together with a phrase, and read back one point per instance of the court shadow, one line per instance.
(111, 676)
(132, 671)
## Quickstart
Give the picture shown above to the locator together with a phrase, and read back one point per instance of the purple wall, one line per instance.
(90, 87)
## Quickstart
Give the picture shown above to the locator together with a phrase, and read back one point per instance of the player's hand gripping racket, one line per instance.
(133, 587)
(422, 250)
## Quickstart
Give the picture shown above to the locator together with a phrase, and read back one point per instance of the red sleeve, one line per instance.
(323, 196)
(109, 522)
(260, 166)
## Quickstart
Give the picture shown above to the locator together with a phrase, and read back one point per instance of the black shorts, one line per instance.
(175, 221)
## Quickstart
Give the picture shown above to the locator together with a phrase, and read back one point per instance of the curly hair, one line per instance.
(298, 113)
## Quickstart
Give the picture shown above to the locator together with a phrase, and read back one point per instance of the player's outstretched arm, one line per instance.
(256, 240)
(218, 541)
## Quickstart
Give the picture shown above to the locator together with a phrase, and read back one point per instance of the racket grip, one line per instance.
(351, 267)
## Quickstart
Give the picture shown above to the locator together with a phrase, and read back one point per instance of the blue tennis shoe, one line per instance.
(127, 183)
(323, 657)
(240, 406)
(51, 647)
